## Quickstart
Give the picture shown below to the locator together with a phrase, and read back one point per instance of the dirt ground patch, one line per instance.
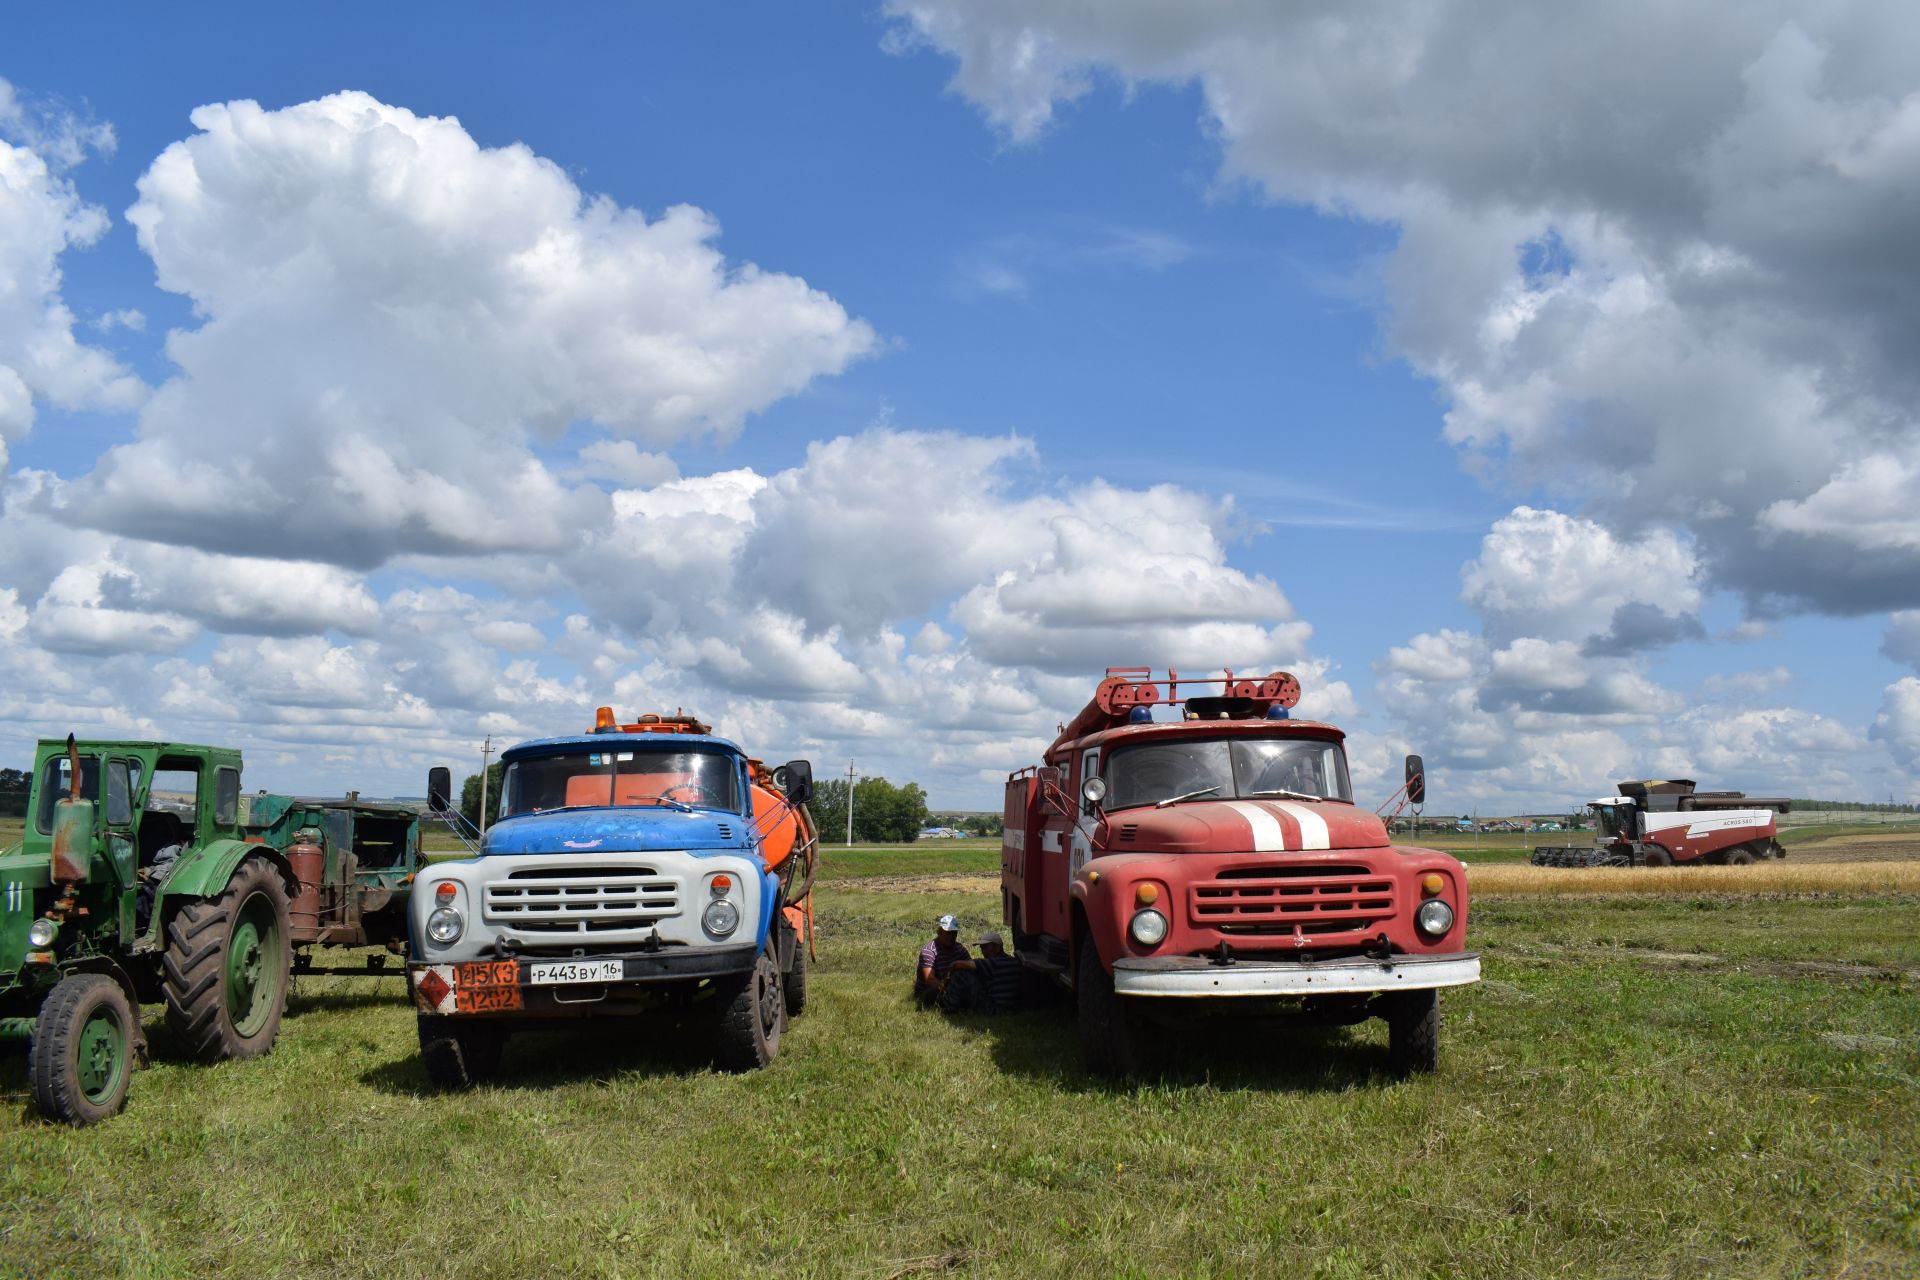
(924, 884)
(1857, 848)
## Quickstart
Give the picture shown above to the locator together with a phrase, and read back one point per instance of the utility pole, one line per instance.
(851, 775)
(486, 754)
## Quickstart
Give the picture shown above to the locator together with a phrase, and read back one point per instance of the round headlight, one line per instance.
(1434, 917)
(1149, 928)
(42, 932)
(445, 925)
(721, 918)
(1095, 790)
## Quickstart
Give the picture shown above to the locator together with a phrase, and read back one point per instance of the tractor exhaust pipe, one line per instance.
(72, 826)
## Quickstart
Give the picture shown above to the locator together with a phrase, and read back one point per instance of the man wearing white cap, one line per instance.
(937, 959)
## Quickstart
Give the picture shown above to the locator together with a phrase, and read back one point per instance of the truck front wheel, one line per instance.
(83, 1050)
(753, 1013)
(1413, 1032)
(225, 969)
(1111, 1040)
(458, 1053)
(796, 980)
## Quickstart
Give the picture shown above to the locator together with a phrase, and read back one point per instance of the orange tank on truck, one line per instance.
(1189, 849)
(638, 866)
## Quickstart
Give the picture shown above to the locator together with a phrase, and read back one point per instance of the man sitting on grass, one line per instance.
(995, 987)
(937, 959)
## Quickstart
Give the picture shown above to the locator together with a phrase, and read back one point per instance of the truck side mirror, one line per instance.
(1416, 780)
(439, 789)
(796, 778)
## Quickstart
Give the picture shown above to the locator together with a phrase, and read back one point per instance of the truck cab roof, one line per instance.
(622, 742)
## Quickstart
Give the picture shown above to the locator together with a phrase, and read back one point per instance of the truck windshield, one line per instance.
(606, 779)
(1222, 769)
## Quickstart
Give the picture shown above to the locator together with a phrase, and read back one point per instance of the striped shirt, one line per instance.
(1002, 979)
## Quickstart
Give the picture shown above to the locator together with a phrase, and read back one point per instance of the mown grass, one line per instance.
(1704, 1085)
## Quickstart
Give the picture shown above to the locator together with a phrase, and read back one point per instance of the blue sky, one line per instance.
(1548, 525)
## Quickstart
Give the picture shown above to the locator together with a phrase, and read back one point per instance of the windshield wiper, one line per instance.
(681, 805)
(1191, 795)
(1281, 791)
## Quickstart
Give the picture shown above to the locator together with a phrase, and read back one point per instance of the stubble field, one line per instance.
(1678, 1075)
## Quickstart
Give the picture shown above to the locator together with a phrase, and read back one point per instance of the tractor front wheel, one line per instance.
(225, 969)
(83, 1050)
(1740, 856)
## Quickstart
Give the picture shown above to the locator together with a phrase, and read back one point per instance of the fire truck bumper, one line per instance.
(1195, 977)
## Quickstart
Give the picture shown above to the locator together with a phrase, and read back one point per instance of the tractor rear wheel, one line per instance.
(753, 1014)
(1740, 856)
(225, 968)
(1413, 1032)
(83, 1050)
(459, 1053)
(1112, 1040)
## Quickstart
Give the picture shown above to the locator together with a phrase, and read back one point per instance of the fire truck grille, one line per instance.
(1316, 899)
(581, 900)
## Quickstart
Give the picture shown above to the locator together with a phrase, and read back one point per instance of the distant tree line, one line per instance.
(1857, 806)
(882, 812)
(14, 785)
(470, 796)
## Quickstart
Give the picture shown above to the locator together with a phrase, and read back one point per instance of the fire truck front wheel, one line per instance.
(1413, 1032)
(1112, 1040)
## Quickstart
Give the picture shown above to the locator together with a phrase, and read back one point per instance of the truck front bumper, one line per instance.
(512, 987)
(1195, 977)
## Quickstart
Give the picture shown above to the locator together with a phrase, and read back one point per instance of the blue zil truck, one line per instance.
(637, 867)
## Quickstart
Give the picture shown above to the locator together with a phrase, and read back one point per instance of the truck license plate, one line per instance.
(564, 971)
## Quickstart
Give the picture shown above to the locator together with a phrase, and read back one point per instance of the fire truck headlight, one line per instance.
(720, 918)
(1434, 918)
(444, 925)
(42, 932)
(1149, 928)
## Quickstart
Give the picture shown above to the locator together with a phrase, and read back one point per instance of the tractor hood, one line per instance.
(1236, 826)
(621, 830)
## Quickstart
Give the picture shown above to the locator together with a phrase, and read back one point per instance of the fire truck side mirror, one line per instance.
(439, 788)
(1416, 780)
(796, 778)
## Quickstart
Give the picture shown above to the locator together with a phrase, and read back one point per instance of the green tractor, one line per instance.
(139, 879)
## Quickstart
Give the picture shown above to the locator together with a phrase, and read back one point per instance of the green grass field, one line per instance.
(1686, 1086)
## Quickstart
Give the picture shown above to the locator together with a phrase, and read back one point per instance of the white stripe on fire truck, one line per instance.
(1313, 827)
(1267, 834)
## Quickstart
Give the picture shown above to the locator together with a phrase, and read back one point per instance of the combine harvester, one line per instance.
(1665, 824)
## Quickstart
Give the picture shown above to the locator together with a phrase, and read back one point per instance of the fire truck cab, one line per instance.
(1214, 863)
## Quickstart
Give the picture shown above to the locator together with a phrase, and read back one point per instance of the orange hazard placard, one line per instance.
(486, 986)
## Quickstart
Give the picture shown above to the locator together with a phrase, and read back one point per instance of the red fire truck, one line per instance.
(1212, 861)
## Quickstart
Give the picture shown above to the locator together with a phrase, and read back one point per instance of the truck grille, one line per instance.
(582, 899)
(1316, 899)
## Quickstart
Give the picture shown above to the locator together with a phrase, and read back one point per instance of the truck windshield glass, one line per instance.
(1614, 819)
(54, 780)
(607, 779)
(1222, 769)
